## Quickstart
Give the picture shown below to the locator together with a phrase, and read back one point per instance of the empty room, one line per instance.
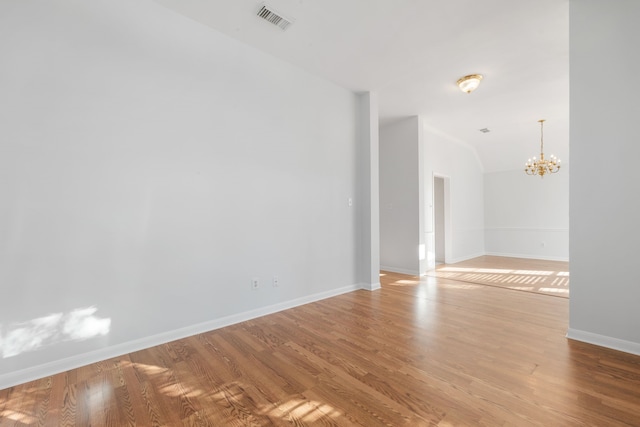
(295, 212)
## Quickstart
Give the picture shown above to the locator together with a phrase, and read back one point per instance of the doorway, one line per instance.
(441, 221)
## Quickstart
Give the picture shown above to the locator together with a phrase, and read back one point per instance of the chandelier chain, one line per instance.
(541, 136)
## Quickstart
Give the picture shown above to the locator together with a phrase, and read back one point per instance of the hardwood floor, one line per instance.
(419, 352)
(527, 275)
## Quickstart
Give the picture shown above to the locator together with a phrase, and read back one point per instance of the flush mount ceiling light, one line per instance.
(542, 166)
(469, 83)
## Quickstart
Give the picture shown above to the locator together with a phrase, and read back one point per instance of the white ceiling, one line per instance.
(411, 52)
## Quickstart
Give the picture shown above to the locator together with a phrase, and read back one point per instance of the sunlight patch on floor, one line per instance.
(19, 417)
(181, 389)
(308, 411)
(522, 288)
(459, 286)
(501, 271)
(545, 280)
(149, 369)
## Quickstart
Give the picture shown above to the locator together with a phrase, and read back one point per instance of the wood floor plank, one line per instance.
(421, 351)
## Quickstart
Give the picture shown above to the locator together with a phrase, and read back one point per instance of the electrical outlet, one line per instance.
(275, 281)
(255, 283)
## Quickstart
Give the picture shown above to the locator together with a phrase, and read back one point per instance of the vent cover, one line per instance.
(484, 130)
(274, 17)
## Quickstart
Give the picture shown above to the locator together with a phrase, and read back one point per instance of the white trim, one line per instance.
(604, 341)
(464, 258)
(370, 286)
(401, 270)
(535, 256)
(46, 369)
(550, 230)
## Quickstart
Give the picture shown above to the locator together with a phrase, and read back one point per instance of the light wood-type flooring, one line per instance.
(520, 274)
(418, 352)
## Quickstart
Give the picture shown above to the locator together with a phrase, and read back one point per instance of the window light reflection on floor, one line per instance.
(549, 282)
(19, 417)
(501, 271)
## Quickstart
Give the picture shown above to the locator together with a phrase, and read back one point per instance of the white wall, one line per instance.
(605, 189)
(527, 216)
(368, 207)
(460, 164)
(401, 232)
(150, 168)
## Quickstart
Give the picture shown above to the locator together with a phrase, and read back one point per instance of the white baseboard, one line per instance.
(401, 270)
(604, 341)
(464, 258)
(51, 368)
(370, 286)
(542, 257)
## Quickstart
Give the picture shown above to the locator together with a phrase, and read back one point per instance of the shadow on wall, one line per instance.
(77, 325)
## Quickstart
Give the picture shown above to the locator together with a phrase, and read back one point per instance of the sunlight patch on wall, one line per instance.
(77, 325)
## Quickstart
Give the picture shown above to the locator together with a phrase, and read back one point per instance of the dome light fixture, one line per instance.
(469, 83)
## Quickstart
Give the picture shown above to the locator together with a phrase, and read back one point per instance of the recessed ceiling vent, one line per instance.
(484, 130)
(274, 17)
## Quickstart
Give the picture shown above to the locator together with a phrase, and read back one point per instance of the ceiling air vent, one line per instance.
(484, 130)
(274, 17)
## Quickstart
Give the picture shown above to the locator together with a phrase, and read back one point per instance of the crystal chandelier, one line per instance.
(542, 166)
